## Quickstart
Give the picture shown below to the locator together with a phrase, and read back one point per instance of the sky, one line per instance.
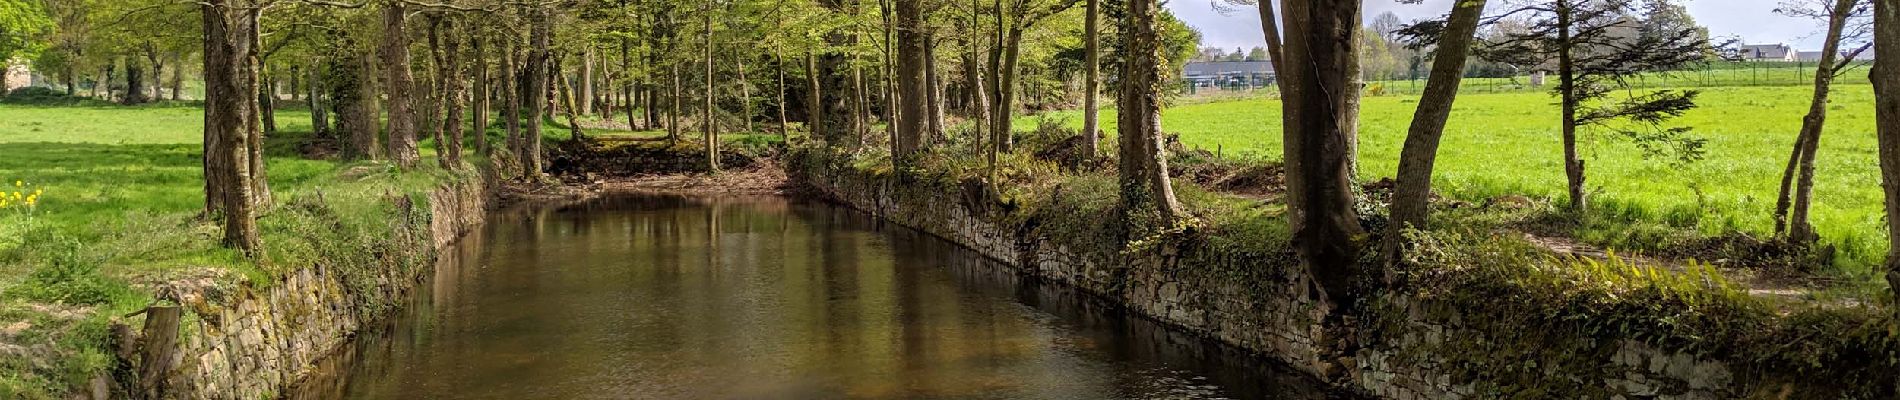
(1752, 20)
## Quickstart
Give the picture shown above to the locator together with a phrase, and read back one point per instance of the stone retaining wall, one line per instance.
(1269, 309)
(252, 344)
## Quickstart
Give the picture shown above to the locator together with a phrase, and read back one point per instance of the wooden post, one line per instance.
(161, 341)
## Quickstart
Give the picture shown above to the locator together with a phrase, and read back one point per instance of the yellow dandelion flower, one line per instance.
(19, 183)
(31, 200)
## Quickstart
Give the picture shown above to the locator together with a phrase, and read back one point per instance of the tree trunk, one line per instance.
(453, 96)
(1145, 186)
(252, 66)
(912, 84)
(134, 82)
(353, 95)
(586, 99)
(778, 56)
(227, 106)
(1326, 230)
(1800, 172)
(511, 87)
(1411, 196)
(934, 93)
(1092, 78)
(1270, 29)
(178, 81)
(1567, 87)
(673, 128)
(436, 123)
(814, 98)
(537, 71)
(319, 116)
(1886, 78)
(709, 121)
(1006, 90)
(267, 104)
(399, 85)
(838, 116)
(569, 109)
(745, 94)
(479, 128)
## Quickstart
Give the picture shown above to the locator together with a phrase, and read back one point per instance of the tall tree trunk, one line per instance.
(178, 81)
(481, 97)
(436, 122)
(934, 85)
(399, 85)
(587, 81)
(536, 92)
(134, 82)
(1567, 87)
(1326, 230)
(453, 95)
(709, 121)
(1411, 195)
(673, 128)
(1270, 30)
(778, 56)
(1006, 90)
(814, 98)
(838, 108)
(1886, 78)
(1092, 78)
(251, 70)
(912, 83)
(568, 107)
(319, 115)
(511, 87)
(1800, 172)
(632, 85)
(353, 96)
(226, 48)
(887, 77)
(745, 94)
(1145, 186)
(267, 104)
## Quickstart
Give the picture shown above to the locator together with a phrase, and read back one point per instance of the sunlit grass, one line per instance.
(1507, 143)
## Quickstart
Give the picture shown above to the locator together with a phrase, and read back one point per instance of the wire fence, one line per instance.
(1717, 74)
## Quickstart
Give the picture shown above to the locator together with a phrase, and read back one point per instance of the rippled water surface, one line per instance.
(761, 298)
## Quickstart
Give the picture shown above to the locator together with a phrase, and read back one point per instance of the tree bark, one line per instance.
(1411, 196)
(511, 88)
(353, 94)
(436, 123)
(814, 98)
(1320, 199)
(1567, 87)
(134, 82)
(1886, 78)
(483, 106)
(535, 95)
(1145, 186)
(1799, 176)
(709, 122)
(1092, 78)
(838, 108)
(1005, 87)
(399, 85)
(454, 96)
(319, 116)
(587, 81)
(227, 106)
(912, 83)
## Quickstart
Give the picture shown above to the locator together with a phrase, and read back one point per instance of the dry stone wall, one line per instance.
(254, 343)
(1269, 309)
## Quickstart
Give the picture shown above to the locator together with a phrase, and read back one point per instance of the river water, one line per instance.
(662, 297)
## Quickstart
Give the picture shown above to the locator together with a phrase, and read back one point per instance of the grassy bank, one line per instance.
(117, 220)
(1506, 143)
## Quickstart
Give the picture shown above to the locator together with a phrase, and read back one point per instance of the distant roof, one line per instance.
(1760, 51)
(1211, 68)
(1809, 56)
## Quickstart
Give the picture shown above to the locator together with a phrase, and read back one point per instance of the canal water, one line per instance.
(661, 297)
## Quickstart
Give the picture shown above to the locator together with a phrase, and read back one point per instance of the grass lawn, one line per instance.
(122, 189)
(1507, 143)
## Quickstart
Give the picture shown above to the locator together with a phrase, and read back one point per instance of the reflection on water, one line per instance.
(668, 297)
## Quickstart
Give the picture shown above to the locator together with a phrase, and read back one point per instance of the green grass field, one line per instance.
(1507, 143)
(122, 188)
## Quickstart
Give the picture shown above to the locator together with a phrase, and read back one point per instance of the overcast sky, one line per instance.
(1752, 20)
